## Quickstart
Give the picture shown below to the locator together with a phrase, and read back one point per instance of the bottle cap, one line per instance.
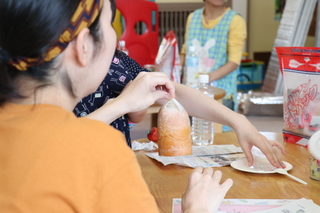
(122, 43)
(203, 78)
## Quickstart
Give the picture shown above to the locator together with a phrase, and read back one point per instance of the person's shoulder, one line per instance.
(198, 11)
(127, 60)
(61, 128)
(189, 18)
(238, 20)
(104, 142)
(117, 66)
(237, 17)
(87, 127)
(132, 66)
(66, 123)
(88, 135)
(236, 14)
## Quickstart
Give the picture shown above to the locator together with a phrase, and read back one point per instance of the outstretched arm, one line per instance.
(202, 106)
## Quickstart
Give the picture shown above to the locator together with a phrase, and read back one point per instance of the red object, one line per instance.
(246, 60)
(153, 134)
(290, 137)
(142, 48)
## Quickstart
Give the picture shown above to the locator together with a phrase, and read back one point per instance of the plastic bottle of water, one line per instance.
(122, 47)
(191, 68)
(203, 130)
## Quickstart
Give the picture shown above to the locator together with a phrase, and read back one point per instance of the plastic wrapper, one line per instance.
(174, 130)
(300, 68)
(168, 60)
(260, 103)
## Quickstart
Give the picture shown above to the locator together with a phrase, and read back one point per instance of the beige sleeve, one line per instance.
(236, 40)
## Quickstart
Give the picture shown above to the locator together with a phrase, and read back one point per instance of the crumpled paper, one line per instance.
(150, 146)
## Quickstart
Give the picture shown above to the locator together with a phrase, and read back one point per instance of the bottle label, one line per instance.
(192, 61)
(191, 71)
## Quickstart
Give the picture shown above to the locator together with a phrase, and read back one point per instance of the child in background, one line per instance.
(227, 29)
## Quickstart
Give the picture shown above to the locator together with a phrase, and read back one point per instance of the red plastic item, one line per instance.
(153, 134)
(142, 48)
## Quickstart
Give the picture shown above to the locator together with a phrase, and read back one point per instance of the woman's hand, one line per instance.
(137, 96)
(146, 89)
(204, 192)
(249, 136)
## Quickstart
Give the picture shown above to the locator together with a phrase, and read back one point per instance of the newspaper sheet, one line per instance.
(203, 156)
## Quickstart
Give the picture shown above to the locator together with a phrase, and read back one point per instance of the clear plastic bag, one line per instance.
(168, 60)
(174, 130)
(300, 67)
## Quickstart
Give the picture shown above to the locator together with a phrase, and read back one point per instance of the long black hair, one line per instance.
(27, 28)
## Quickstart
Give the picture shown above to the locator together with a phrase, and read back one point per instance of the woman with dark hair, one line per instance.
(52, 54)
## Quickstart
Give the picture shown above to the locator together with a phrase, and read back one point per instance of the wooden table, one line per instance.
(167, 182)
(154, 109)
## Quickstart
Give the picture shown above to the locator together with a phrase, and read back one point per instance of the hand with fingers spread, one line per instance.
(204, 192)
(249, 136)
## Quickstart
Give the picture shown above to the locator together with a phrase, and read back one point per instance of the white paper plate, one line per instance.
(314, 145)
(262, 167)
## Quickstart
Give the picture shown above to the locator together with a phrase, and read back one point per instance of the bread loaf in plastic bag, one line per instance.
(174, 130)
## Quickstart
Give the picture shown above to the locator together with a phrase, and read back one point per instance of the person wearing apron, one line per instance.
(227, 31)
